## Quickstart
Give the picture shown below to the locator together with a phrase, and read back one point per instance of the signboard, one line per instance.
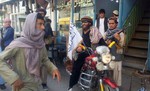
(3, 1)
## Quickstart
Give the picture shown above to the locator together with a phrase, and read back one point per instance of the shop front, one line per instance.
(81, 8)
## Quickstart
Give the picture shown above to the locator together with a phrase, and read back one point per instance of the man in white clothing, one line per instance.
(101, 22)
(116, 15)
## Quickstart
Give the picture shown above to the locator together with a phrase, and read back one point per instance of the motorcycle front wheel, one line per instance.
(108, 88)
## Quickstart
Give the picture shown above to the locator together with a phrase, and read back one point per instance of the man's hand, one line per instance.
(56, 73)
(17, 85)
(79, 49)
(117, 36)
(108, 42)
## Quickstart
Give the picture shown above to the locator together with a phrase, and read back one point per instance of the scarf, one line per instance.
(32, 41)
(110, 33)
(95, 35)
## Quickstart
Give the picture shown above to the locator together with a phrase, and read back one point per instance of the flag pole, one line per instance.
(72, 11)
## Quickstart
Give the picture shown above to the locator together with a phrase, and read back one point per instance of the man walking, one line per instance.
(26, 55)
(7, 35)
(49, 40)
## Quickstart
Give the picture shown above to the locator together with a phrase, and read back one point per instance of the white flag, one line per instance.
(74, 40)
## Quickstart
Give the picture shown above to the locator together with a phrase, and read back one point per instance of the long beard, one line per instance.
(86, 28)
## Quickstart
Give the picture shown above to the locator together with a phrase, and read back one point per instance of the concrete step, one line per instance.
(142, 24)
(133, 62)
(147, 14)
(143, 44)
(143, 27)
(136, 52)
(140, 35)
(145, 21)
(146, 17)
(137, 30)
(147, 10)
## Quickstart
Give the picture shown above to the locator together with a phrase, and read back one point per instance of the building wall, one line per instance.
(108, 5)
(127, 6)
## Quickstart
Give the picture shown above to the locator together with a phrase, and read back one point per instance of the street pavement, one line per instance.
(126, 75)
(54, 85)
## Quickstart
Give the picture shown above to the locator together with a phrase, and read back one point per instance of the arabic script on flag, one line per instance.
(74, 40)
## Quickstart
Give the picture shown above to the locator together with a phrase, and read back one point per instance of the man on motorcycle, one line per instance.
(91, 38)
(117, 49)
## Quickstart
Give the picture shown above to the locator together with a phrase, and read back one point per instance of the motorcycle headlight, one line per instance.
(102, 49)
(95, 59)
(99, 66)
(112, 64)
(106, 58)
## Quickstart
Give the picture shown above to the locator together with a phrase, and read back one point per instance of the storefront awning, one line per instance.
(64, 21)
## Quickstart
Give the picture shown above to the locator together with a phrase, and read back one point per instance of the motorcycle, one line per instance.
(94, 74)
